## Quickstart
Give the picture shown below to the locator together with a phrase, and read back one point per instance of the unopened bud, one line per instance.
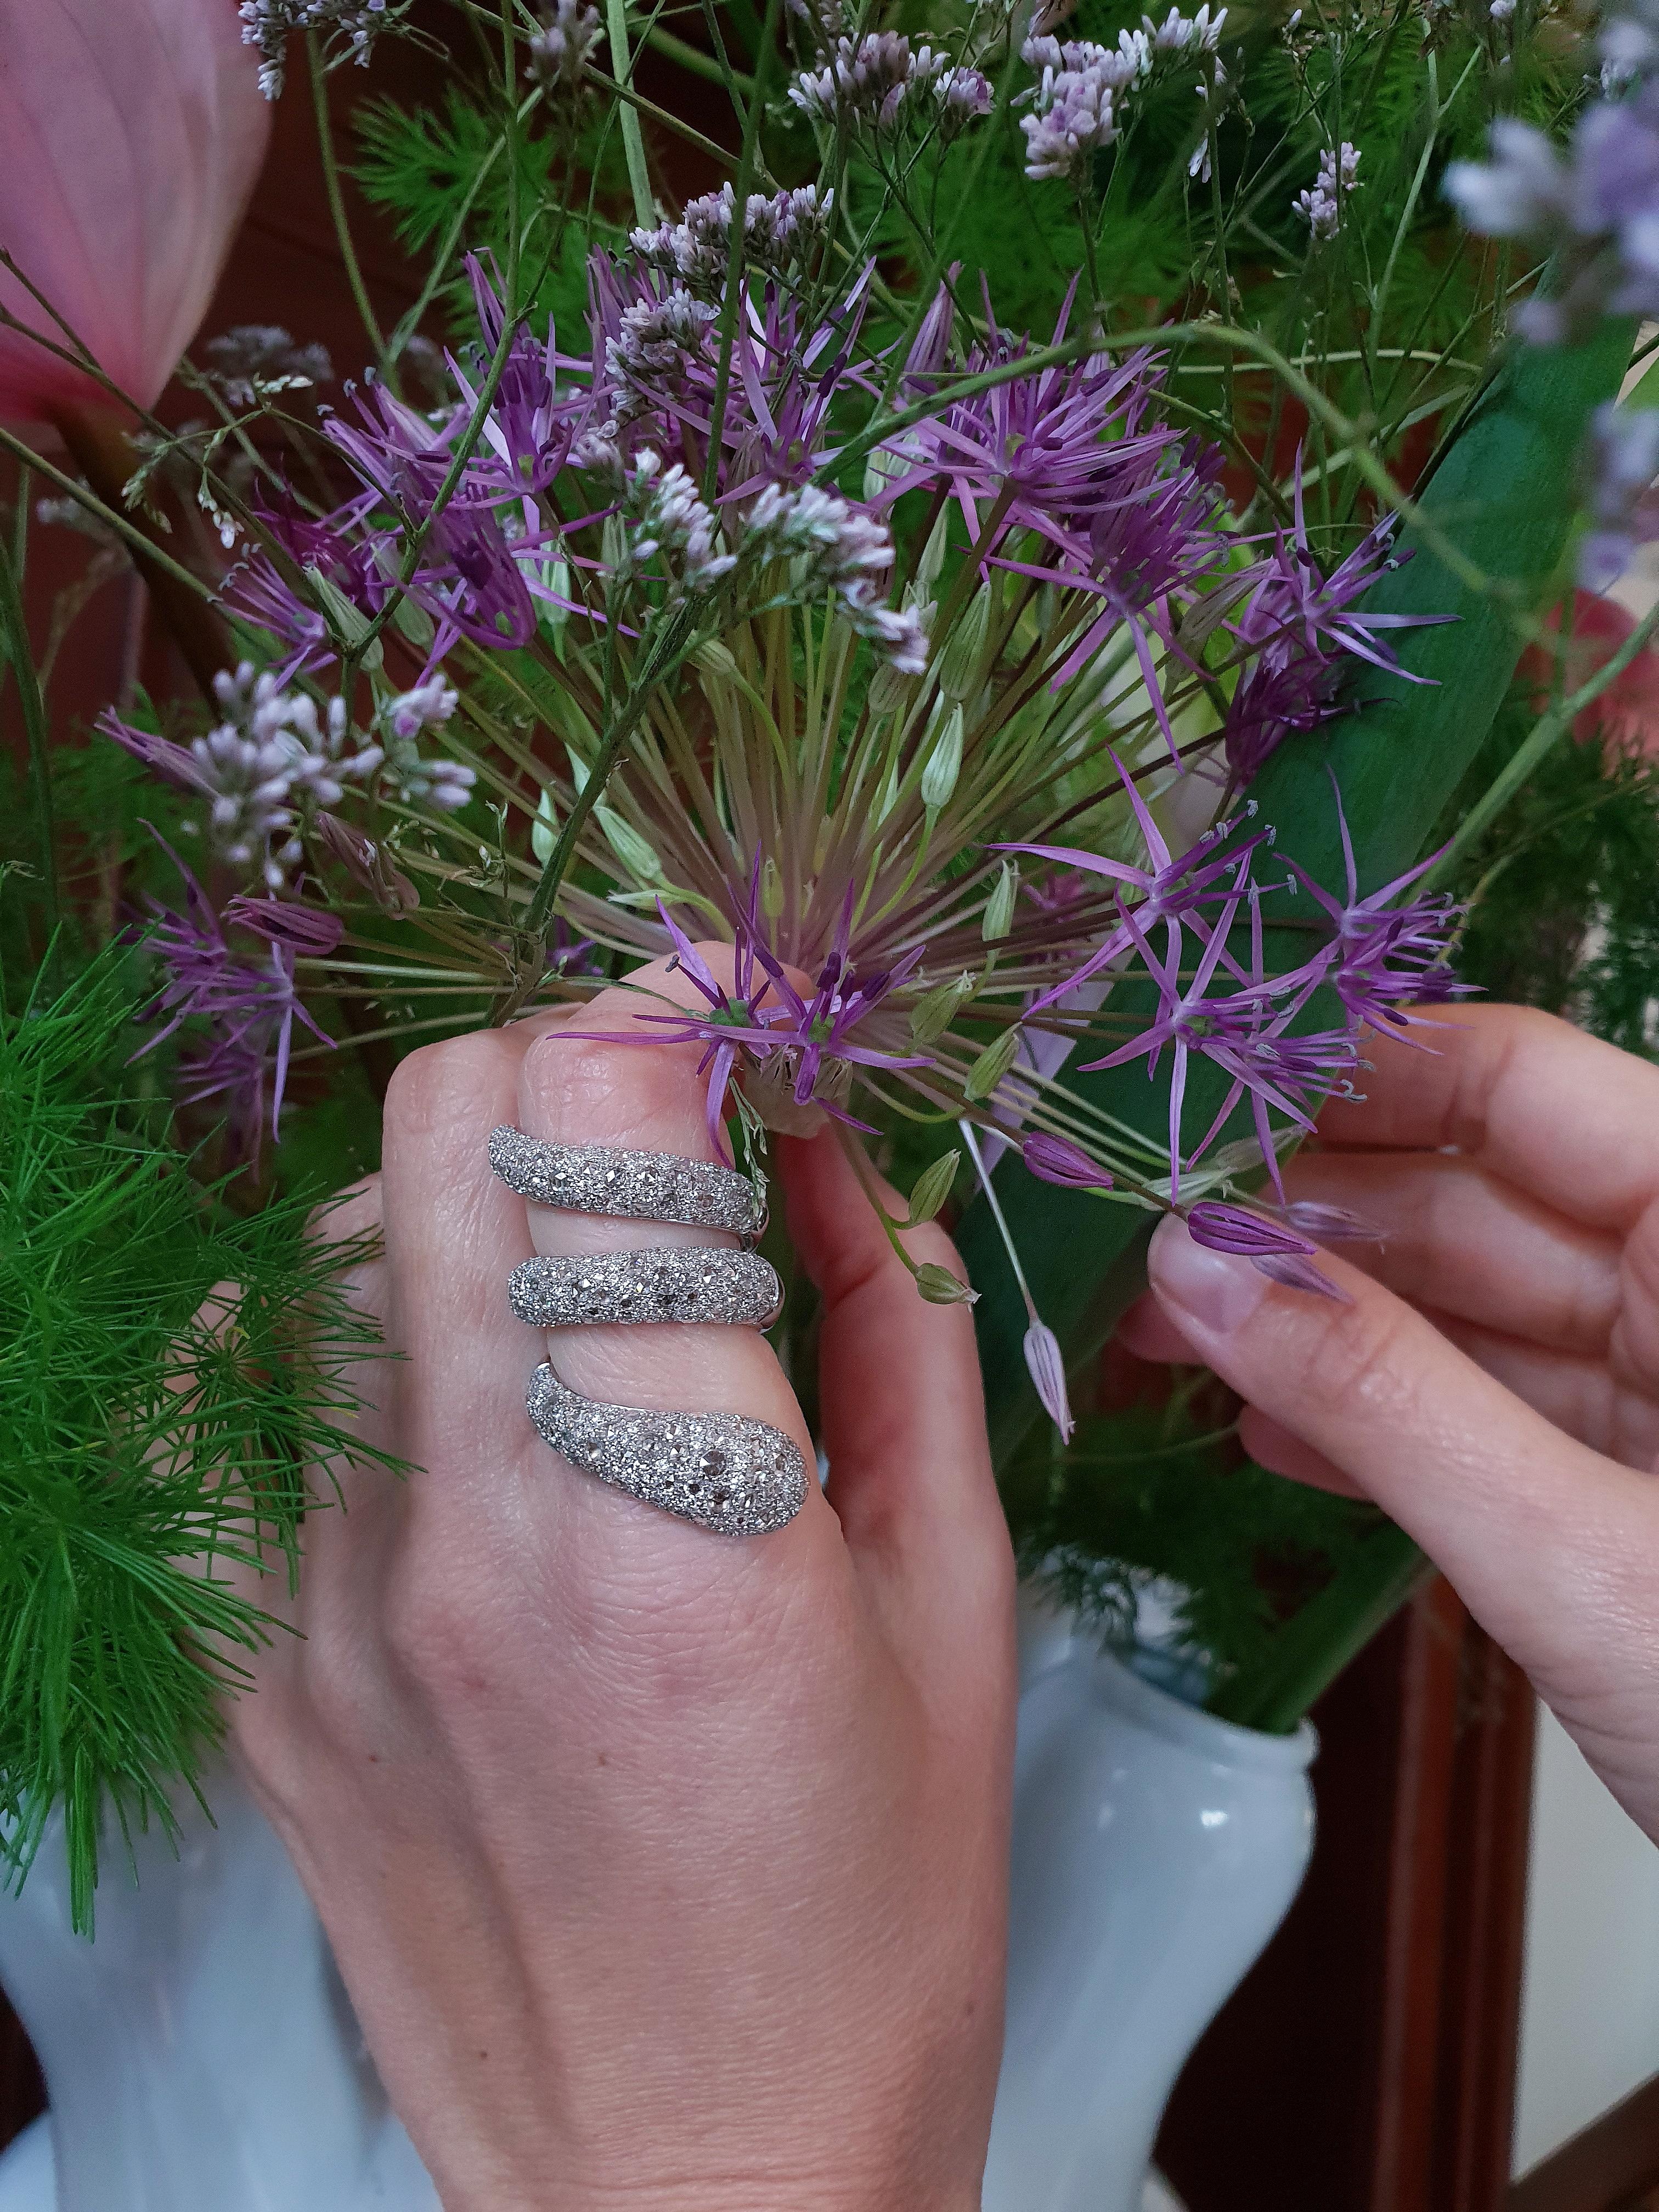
(888, 689)
(716, 659)
(944, 766)
(630, 847)
(613, 544)
(1046, 1365)
(993, 1064)
(880, 469)
(931, 563)
(349, 623)
(934, 1014)
(932, 1188)
(941, 1288)
(544, 829)
(958, 669)
(999, 918)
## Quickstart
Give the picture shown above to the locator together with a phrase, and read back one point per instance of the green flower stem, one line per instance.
(688, 57)
(639, 175)
(337, 204)
(734, 283)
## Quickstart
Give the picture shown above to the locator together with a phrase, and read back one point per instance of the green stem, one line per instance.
(14, 633)
(1547, 732)
(337, 199)
(691, 58)
(639, 175)
(734, 284)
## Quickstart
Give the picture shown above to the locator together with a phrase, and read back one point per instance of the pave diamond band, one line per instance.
(728, 1473)
(639, 1186)
(684, 1283)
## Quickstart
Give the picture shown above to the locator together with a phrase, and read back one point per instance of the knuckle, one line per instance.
(1358, 1362)
(440, 1087)
(437, 1634)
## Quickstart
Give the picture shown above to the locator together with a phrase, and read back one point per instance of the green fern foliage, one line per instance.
(156, 1420)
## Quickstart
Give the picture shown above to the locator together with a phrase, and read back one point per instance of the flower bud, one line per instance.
(1057, 1159)
(999, 918)
(1046, 1365)
(771, 889)
(716, 659)
(544, 829)
(931, 563)
(944, 765)
(931, 1017)
(958, 670)
(941, 1288)
(630, 847)
(932, 1188)
(888, 689)
(993, 1064)
(880, 469)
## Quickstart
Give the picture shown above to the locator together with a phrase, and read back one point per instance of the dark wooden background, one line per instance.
(1367, 2064)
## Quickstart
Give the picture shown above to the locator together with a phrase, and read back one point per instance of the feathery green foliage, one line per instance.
(158, 1413)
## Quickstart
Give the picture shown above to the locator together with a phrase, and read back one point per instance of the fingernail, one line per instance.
(1217, 1289)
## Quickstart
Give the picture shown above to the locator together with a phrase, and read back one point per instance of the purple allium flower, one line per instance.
(368, 864)
(1277, 1253)
(1302, 629)
(1382, 956)
(343, 550)
(312, 932)
(1321, 207)
(1169, 890)
(1046, 1365)
(1058, 1160)
(250, 1010)
(1330, 1224)
(1624, 503)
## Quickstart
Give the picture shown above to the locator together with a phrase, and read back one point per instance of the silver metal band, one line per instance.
(639, 1186)
(683, 1283)
(728, 1473)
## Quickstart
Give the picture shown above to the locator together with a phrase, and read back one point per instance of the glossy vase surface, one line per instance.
(1156, 1850)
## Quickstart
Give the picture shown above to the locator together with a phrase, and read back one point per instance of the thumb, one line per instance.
(1536, 1531)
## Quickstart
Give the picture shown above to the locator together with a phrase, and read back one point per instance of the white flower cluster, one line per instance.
(1073, 105)
(778, 233)
(269, 759)
(444, 784)
(559, 51)
(1321, 207)
(880, 83)
(669, 518)
(269, 24)
(836, 547)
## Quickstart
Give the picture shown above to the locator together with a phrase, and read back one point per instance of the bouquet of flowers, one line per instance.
(1035, 559)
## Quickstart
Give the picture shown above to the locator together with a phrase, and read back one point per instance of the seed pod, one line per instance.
(932, 1188)
(999, 918)
(993, 1064)
(716, 659)
(630, 847)
(888, 689)
(349, 623)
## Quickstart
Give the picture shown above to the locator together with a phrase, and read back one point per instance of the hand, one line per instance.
(1494, 1382)
(665, 1869)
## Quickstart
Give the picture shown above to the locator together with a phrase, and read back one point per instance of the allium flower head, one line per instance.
(1274, 1251)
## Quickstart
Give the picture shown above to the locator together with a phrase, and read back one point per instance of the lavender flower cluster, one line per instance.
(270, 24)
(1076, 107)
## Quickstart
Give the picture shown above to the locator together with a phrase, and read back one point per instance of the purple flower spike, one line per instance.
(312, 932)
(1276, 1252)
(1048, 1371)
(1058, 1160)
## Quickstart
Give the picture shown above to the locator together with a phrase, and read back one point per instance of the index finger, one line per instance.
(1571, 1119)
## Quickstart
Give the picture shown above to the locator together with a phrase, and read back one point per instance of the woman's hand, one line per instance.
(1494, 1382)
(665, 1869)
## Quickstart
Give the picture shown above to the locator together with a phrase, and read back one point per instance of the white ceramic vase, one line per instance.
(201, 2056)
(1156, 1850)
